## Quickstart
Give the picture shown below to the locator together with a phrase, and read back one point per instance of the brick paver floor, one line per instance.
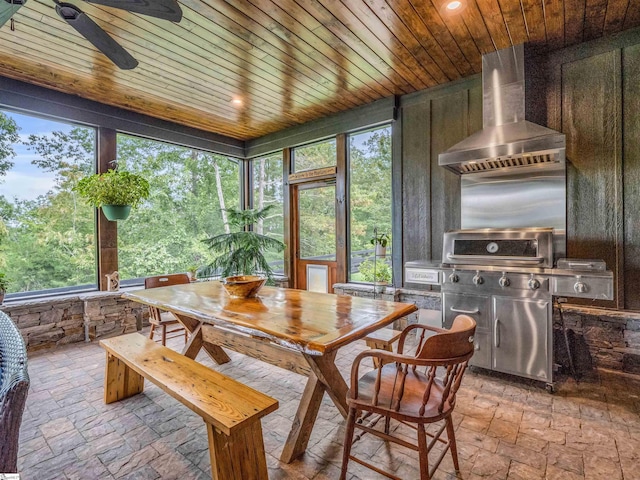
(505, 428)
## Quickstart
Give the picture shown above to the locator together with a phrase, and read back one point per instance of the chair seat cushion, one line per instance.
(412, 397)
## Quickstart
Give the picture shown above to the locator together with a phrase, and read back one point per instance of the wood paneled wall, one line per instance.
(432, 121)
(593, 96)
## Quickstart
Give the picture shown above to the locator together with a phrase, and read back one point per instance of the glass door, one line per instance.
(314, 236)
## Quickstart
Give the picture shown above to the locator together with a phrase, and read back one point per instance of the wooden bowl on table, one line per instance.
(243, 286)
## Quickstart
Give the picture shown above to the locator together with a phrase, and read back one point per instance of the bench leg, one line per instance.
(239, 456)
(377, 345)
(120, 381)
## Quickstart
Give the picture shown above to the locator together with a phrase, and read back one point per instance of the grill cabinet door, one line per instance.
(478, 307)
(521, 342)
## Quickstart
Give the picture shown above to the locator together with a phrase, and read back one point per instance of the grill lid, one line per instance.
(524, 247)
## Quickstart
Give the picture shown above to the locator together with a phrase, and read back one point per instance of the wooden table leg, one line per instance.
(325, 377)
(325, 369)
(196, 343)
(304, 420)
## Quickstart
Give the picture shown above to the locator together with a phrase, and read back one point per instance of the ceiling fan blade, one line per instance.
(164, 9)
(96, 35)
(8, 8)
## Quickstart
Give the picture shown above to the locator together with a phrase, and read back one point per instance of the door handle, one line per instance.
(496, 333)
(468, 312)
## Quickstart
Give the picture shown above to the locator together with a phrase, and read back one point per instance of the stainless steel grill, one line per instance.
(506, 280)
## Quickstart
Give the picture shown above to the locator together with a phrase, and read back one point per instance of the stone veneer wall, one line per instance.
(46, 323)
(599, 338)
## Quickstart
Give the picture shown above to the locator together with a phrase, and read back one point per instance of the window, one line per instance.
(46, 231)
(317, 155)
(189, 190)
(370, 199)
(268, 190)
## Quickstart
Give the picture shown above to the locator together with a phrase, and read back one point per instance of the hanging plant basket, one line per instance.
(116, 212)
(115, 191)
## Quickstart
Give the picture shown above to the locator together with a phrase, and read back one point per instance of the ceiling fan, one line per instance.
(163, 9)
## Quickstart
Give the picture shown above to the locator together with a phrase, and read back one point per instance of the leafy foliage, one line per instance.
(50, 239)
(4, 283)
(375, 272)
(114, 187)
(241, 252)
(380, 239)
(8, 137)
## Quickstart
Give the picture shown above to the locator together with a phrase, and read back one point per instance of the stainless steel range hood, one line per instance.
(507, 140)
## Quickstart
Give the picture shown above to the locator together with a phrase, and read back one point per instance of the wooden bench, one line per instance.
(382, 339)
(231, 410)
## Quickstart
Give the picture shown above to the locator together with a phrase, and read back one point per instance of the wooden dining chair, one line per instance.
(415, 390)
(163, 320)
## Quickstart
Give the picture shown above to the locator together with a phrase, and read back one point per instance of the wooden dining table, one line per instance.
(297, 330)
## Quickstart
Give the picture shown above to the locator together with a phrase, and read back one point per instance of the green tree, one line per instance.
(51, 239)
(8, 138)
(188, 188)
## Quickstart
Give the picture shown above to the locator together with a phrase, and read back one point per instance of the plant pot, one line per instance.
(380, 250)
(192, 277)
(116, 212)
(378, 287)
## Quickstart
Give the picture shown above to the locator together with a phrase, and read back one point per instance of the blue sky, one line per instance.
(24, 180)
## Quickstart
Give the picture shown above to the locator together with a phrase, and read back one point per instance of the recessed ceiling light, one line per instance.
(237, 101)
(452, 7)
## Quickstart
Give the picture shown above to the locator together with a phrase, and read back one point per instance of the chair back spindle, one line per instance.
(155, 314)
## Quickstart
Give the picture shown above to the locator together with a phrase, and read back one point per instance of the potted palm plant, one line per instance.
(241, 253)
(115, 191)
(4, 284)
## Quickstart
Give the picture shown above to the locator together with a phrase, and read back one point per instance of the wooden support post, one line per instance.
(107, 231)
(120, 381)
(239, 456)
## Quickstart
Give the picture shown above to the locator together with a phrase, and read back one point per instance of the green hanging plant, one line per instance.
(114, 187)
(241, 252)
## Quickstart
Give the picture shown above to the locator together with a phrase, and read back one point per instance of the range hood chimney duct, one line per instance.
(507, 140)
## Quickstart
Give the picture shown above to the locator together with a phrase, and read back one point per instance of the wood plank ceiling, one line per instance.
(287, 61)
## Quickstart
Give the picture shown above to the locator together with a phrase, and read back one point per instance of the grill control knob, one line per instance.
(533, 283)
(580, 287)
(477, 279)
(504, 281)
(453, 278)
